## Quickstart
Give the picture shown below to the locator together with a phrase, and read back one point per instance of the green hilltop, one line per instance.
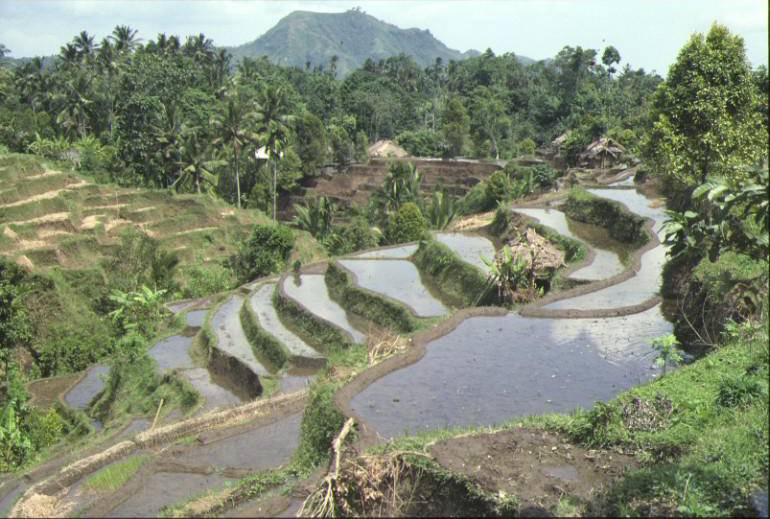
(353, 36)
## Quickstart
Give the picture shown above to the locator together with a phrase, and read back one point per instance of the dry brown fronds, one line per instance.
(367, 485)
(383, 345)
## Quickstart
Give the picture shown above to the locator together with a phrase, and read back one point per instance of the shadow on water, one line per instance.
(491, 369)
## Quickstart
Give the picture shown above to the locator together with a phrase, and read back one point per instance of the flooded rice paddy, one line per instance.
(491, 369)
(195, 318)
(261, 302)
(399, 280)
(174, 353)
(469, 248)
(311, 291)
(231, 338)
(401, 252)
(89, 386)
(163, 489)
(207, 466)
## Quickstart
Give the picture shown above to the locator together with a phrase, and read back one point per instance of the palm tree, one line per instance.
(69, 54)
(273, 125)
(247, 69)
(125, 38)
(84, 43)
(234, 130)
(74, 103)
(169, 137)
(193, 165)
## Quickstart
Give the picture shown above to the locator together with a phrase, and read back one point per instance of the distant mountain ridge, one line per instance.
(353, 36)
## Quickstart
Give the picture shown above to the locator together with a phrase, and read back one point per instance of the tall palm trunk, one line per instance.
(275, 187)
(236, 152)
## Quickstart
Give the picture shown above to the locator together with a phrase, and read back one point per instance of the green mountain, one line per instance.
(353, 36)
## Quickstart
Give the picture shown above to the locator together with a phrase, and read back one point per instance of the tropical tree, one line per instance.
(273, 122)
(456, 124)
(706, 117)
(315, 216)
(125, 38)
(234, 128)
(442, 210)
(4, 51)
(196, 166)
(73, 103)
(84, 45)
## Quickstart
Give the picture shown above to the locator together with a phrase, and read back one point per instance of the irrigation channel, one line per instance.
(478, 367)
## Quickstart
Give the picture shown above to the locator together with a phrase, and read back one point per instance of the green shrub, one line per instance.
(476, 200)
(357, 235)
(498, 188)
(526, 146)
(422, 143)
(140, 260)
(407, 224)
(622, 225)
(739, 391)
(320, 424)
(264, 252)
(460, 281)
(202, 280)
(366, 304)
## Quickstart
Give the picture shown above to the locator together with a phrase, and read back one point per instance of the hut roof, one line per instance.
(387, 148)
(558, 141)
(604, 146)
(531, 247)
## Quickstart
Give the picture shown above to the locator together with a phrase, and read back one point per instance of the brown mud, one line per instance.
(539, 468)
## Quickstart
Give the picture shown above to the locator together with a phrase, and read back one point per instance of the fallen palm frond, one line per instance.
(366, 485)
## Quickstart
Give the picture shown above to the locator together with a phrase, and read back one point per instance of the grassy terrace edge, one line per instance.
(622, 224)
(455, 279)
(366, 304)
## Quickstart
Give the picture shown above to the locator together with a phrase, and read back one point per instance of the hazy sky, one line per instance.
(648, 33)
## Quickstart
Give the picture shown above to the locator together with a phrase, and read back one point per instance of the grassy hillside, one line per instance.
(51, 217)
(353, 36)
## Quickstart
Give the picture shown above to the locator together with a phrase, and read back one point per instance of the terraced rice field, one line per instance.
(477, 370)
(57, 218)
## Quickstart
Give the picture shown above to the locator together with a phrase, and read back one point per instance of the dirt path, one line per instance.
(543, 470)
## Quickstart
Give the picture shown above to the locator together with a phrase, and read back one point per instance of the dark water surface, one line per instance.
(490, 369)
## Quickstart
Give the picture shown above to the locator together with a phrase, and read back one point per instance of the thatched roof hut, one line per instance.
(536, 250)
(387, 148)
(602, 153)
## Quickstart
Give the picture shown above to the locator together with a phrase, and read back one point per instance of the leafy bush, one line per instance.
(140, 260)
(315, 216)
(441, 211)
(498, 188)
(526, 146)
(202, 280)
(320, 424)
(55, 148)
(408, 224)
(92, 155)
(264, 252)
(739, 391)
(138, 311)
(422, 143)
(357, 235)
